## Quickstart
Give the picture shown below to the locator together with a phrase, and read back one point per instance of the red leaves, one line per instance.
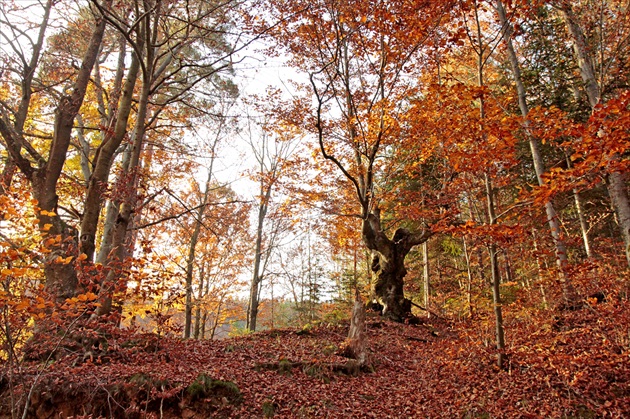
(571, 366)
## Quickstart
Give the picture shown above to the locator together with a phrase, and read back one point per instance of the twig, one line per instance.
(425, 309)
(39, 374)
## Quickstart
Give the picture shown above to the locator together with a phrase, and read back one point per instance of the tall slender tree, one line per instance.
(539, 165)
(616, 179)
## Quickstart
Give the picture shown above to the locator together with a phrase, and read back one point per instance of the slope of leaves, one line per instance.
(573, 364)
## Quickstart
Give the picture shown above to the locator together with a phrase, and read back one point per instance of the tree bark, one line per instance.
(270, 166)
(425, 273)
(490, 208)
(388, 262)
(61, 278)
(103, 162)
(469, 277)
(356, 342)
(582, 53)
(200, 294)
(539, 166)
(119, 235)
(496, 279)
(254, 291)
(28, 72)
(191, 253)
(617, 187)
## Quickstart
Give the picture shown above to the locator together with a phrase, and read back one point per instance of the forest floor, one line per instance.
(574, 365)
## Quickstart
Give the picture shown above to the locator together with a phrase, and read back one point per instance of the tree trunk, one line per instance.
(539, 167)
(582, 54)
(617, 188)
(469, 282)
(204, 319)
(539, 267)
(618, 192)
(388, 262)
(191, 254)
(490, 207)
(189, 275)
(103, 162)
(198, 308)
(496, 279)
(119, 235)
(252, 312)
(61, 278)
(215, 323)
(356, 343)
(425, 273)
(254, 291)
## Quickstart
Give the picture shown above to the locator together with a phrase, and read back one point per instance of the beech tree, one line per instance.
(202, 208)
(539, 165)
(272, 155)
(357, 58)
(482, 45)
(44, 172)
(617, 186)
(165, 55)
(177, 54)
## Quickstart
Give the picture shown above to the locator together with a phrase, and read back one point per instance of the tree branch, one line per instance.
(12, 143)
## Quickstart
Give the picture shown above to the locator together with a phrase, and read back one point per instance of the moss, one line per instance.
(317, 371)
(141, 380)
(330, 349)
(227, 389)
(285, 366)
(582, 412)
(200, 387)
(268, 409)
(204, 386)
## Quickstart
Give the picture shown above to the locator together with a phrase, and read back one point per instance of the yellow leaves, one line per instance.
(47, 227)
(13, 272)
(81, 257)
(47, 213)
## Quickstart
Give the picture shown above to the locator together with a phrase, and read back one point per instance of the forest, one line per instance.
(309, 209)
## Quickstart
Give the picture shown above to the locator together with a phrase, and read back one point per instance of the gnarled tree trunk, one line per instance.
(388, 262)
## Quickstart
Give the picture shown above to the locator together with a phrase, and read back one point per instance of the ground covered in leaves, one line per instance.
(574, 365)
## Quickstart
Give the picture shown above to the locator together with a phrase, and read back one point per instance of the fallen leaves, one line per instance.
(577, 370)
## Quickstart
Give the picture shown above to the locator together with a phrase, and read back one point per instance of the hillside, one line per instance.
(574, 366)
